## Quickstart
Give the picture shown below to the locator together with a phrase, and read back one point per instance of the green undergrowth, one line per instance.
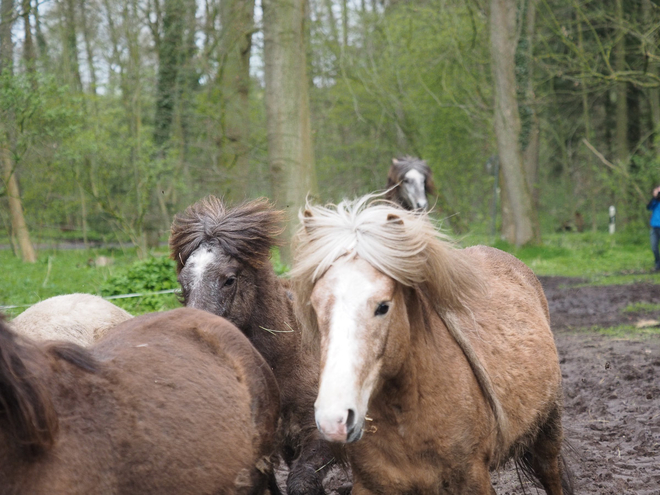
(62, 272)
(597, 258)
(66, 271)
(152, 275)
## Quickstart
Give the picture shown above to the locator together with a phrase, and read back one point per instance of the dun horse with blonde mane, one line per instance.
(437, 363)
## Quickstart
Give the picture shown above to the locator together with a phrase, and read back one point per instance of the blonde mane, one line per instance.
(402, 244)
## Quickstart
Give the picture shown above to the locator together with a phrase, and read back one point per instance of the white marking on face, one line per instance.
(198, 263)
(350, 368)
(413, 189)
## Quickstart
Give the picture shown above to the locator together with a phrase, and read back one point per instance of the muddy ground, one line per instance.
(611, 390)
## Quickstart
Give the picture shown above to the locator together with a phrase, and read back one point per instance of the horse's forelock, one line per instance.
(246, 231)
(402, 244)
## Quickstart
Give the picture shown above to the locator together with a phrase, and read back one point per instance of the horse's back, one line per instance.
(77, 318)
(513, 339)
(180, 402)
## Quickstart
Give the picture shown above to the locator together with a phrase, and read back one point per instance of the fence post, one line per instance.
(612, 219)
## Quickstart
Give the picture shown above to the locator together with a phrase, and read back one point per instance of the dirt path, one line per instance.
(611, 390)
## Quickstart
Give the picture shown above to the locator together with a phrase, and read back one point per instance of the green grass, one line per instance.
(627, 331)
(641, 307)
(61, 272)
(599, 258)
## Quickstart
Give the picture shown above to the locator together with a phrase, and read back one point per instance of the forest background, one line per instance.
(534, 115)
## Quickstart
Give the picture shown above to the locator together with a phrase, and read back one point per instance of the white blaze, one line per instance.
(414, 189)
(339, 388)
(198, 263)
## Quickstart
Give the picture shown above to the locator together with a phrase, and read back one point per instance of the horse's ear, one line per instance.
(395, 161)
(395, 219)
(429, 185)
(307, 215)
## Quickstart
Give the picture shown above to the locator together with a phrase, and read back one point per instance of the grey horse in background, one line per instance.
(409, 183)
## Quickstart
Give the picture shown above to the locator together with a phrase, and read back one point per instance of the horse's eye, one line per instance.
(230, 281)
(382, 309)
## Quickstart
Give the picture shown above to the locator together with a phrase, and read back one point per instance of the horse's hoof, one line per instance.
(304, 481)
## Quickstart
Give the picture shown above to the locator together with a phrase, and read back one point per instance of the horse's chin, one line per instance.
(355, 434)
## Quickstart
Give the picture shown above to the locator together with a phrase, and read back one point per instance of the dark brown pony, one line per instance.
(409, 182)
(437, 363)
(224, 267)
(176, 402)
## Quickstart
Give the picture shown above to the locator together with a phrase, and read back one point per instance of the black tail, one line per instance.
(525, 470)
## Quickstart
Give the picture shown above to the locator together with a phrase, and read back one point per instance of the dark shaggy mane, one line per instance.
(75, 355)
(401, 166)
(245, 232)
(27, 413)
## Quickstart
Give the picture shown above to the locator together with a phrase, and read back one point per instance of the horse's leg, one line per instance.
(544, 457)
(479, 481)
(307, 471)
(273, 488)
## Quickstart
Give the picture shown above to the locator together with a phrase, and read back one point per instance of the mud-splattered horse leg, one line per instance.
(307, 471)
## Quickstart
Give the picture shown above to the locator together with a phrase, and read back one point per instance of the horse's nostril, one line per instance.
(350, 419)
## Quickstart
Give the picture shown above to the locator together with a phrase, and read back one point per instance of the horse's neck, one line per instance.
(431, 352)
(273, 325)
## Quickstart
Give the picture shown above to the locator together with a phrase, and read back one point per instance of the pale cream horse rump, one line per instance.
(437, 363)
(78, 318)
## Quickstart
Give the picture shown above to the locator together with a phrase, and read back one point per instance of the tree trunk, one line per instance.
(8, 138)
(168, 67)
(589, 159)
(649, 19)
(234, 79)
(344, 22)
(7, 15)
(41, 40)
(72, 67)
(290, 152)
(18, 224)
(503, 29)
(86, 28)
(621, 136)
(531, 149)
(29, 56)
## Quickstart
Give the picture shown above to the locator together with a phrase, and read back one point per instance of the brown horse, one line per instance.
(224, 267)
(176, 402)
(409, 182)
(437, 364)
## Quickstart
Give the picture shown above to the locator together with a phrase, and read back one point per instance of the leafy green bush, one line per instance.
(151, 275)
(279, 266)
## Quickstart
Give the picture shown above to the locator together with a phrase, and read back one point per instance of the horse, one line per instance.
(175, 402)
(77, 318)
(438, 364)
(224, 267)
(409, 181)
